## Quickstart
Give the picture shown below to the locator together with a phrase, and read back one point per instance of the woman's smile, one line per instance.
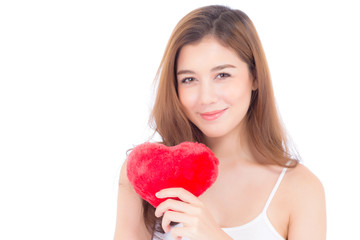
(213, 115)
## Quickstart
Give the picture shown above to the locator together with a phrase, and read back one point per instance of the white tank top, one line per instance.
(260, 228)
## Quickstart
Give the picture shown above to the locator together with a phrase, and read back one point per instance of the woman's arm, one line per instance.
(129, 221)
(308, 215)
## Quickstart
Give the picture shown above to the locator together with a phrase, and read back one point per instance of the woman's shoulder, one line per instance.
(300, 178)
(129, 223)
(123, 180)
(305, 190)
(305, 197)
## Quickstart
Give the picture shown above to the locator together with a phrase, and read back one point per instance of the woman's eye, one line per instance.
(222, 75)
(187, 80)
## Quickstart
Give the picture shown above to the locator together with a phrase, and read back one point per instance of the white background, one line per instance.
(76, 90)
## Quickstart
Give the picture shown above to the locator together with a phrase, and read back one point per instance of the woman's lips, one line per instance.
(210, 116)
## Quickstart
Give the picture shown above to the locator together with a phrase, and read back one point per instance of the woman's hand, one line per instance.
(198, 223)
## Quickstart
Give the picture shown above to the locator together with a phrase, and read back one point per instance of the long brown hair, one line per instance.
(233, 28)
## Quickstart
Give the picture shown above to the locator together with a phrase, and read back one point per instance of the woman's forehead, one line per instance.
(207, 52)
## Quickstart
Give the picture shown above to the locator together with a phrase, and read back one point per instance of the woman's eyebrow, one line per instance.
(217, 68)
(222, 67)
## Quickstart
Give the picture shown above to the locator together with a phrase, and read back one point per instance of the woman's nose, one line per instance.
(207, 93)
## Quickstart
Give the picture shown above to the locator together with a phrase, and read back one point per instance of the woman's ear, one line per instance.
(255, 84)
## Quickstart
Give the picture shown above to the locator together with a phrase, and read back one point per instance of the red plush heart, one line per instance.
(152, 167)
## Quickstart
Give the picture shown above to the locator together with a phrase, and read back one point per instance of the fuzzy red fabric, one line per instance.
(152, 167)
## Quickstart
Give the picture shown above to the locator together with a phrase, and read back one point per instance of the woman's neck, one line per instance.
(231, 148)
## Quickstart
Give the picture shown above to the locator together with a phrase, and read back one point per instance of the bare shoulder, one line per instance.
(307, 203)
(129, 221)
(301, 181)
(123, 180)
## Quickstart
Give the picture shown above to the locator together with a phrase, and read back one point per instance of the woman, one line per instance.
(215, 88)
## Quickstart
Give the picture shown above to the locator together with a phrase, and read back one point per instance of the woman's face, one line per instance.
(214, 87)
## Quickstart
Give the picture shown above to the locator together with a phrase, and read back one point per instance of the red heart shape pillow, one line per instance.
(152, 167)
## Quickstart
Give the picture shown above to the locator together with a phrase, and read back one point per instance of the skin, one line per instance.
(297, 210)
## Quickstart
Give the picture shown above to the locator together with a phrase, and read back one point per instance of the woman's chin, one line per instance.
(213, 134)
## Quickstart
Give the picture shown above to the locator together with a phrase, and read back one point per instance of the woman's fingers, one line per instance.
(189, 211)
(180, 193)
(171, 216)
(174, 205)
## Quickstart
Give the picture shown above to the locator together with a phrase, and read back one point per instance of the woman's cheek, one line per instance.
(238, 92)
(188, 98)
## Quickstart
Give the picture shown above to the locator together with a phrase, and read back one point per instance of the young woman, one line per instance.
(215, 88)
